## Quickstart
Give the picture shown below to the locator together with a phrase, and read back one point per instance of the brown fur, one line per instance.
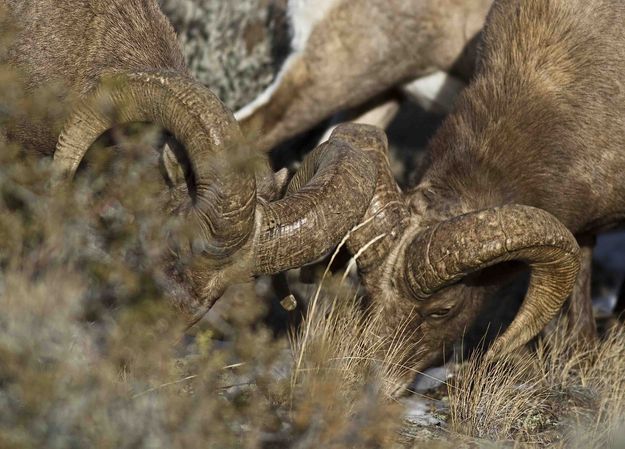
(362, 48)
(72, 43)
(545, 114)
(542, 124)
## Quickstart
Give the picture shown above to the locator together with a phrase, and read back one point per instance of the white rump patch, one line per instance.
(303, 16)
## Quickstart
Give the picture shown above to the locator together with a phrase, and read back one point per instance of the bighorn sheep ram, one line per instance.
(118, 61)
(347, 51)
(532, 154)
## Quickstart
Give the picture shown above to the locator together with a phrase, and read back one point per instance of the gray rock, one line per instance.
(233, 47)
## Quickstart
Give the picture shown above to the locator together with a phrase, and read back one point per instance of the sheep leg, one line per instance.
(434, 93)
(380, 113)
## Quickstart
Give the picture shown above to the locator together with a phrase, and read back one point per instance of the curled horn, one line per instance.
(327, 197)
(224, 199)
(450, 250)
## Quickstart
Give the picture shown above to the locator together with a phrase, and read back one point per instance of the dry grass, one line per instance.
(338, 390)
(565, 394)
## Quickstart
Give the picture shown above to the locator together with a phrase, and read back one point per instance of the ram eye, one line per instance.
(440, 313)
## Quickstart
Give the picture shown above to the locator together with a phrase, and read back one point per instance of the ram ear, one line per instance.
(173, 168)
(271, 186)
(281, 179)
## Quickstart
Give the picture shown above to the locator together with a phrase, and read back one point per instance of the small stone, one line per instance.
(289, 303)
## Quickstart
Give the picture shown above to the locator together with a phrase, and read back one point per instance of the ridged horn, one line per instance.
(450, 250)
(325, 199)
(225, 194)
(387, 212)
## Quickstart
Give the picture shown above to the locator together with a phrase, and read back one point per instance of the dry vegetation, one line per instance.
(91, 351)
(92, 355)
(564, 394)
